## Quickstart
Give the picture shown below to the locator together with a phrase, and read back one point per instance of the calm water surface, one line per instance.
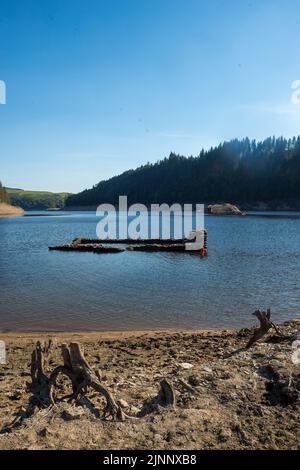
(253, 262)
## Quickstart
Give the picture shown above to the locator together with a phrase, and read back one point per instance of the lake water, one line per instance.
(253, 262)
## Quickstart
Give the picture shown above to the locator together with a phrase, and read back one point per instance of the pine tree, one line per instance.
(3, 194)
(240, 171)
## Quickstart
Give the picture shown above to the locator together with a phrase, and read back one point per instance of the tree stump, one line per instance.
(166, 394)
(265, 326)
(40, 381)
(78, 371)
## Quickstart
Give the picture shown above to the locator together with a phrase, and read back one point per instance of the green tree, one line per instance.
(238, 171)
(3, 194)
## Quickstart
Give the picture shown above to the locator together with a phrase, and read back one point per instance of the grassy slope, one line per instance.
(36, 200)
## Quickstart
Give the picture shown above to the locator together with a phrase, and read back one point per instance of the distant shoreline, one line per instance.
(242, 207)
(12, 211)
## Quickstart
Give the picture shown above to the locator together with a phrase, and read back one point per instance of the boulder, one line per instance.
(224, 209)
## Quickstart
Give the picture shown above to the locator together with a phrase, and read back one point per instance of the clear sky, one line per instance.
(95, 87)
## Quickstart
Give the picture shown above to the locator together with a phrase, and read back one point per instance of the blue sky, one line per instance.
(96, 87)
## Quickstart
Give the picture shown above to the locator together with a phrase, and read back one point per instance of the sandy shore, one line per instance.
(6, 210)
(238, 399)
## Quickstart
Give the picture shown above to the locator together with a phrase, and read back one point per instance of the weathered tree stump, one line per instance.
(40, 381)
(166, 394)
(265, 326)
(78, 371)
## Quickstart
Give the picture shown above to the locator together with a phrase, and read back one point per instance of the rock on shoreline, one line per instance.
(223, 209)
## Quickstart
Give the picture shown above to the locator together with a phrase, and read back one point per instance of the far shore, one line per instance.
(7, 210)
(279, 207)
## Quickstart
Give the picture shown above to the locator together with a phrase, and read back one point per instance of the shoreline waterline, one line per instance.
(129, 332)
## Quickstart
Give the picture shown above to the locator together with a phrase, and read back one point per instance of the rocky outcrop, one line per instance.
(224, 209)
(6, 210)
